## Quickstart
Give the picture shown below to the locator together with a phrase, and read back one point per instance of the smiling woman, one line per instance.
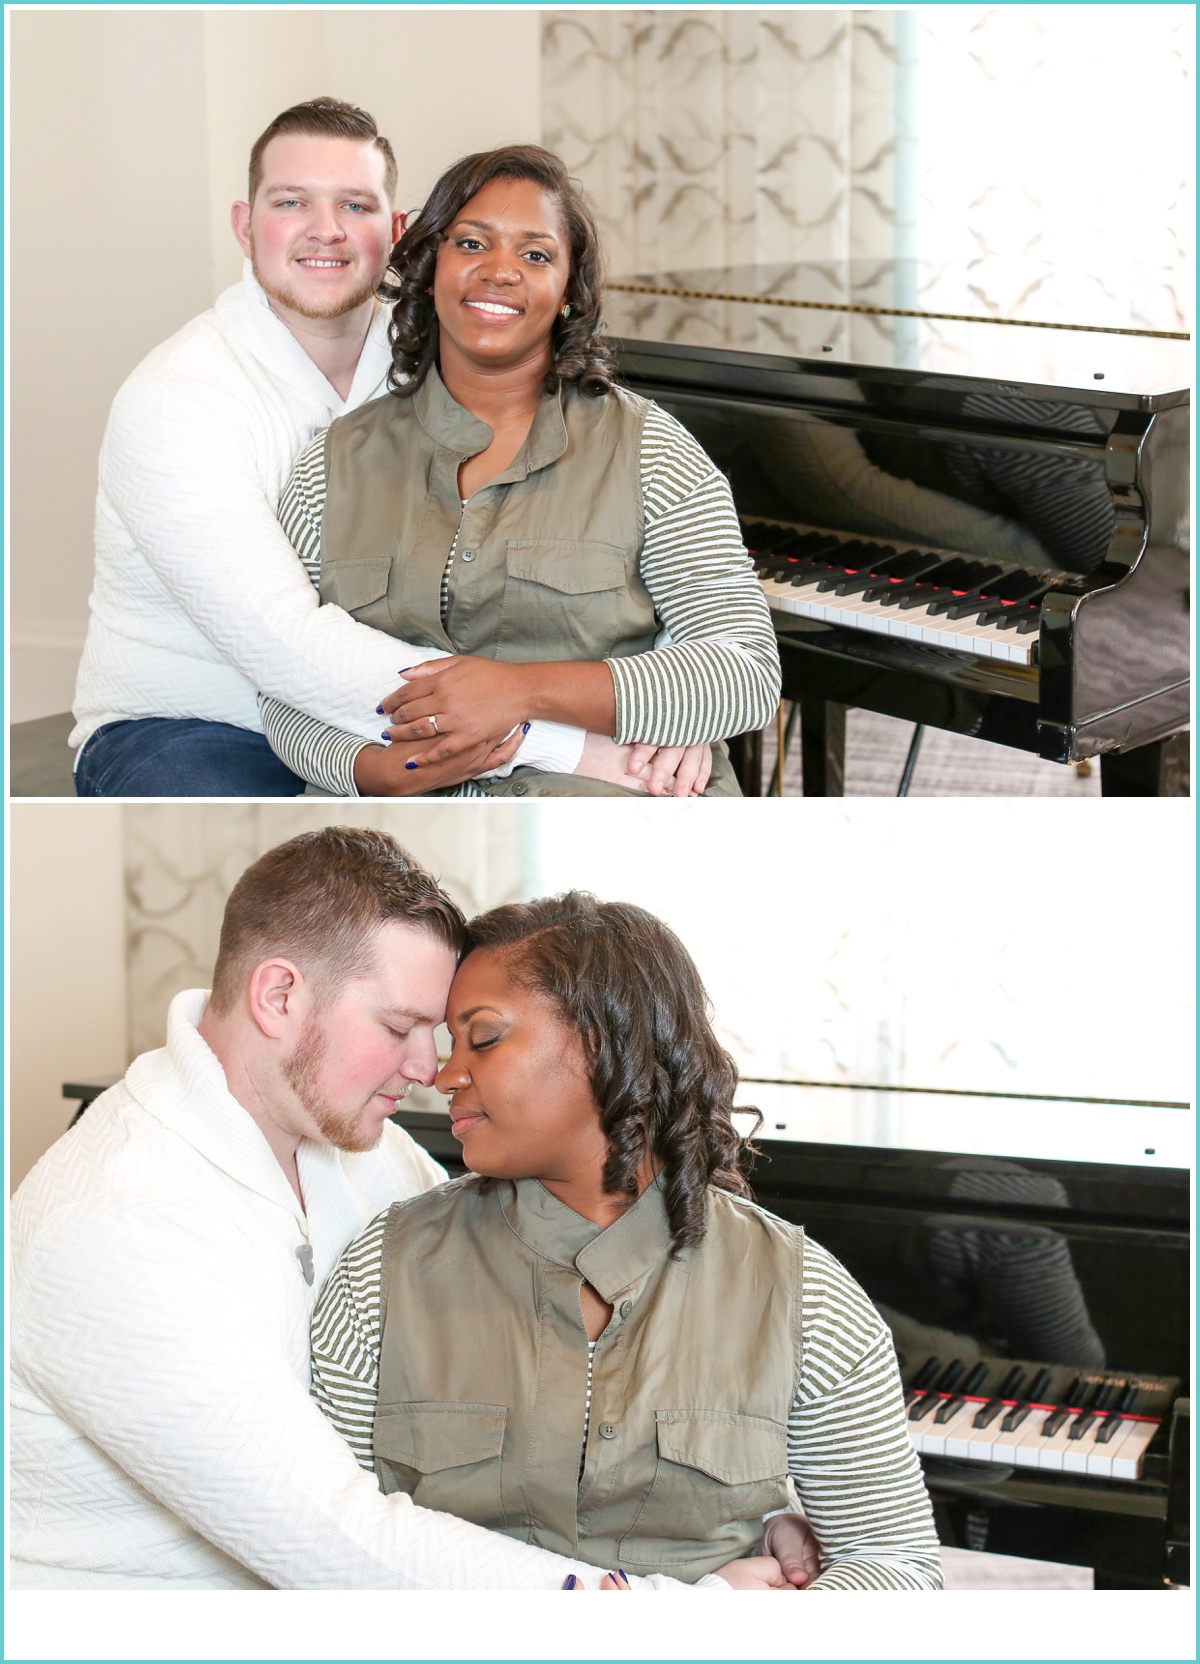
(508, 504)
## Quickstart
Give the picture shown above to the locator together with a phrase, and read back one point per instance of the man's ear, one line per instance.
(278, 998)
(399, 226)
(239, 219)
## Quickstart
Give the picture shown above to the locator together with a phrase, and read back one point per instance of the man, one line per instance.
(168, 1251)
(199, 601)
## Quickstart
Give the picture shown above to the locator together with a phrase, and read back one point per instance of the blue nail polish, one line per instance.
(622, 1577)
(410, 765)
(570, 1580)
(525, 728)
(385, 735)
(379, 710)
(406, 670)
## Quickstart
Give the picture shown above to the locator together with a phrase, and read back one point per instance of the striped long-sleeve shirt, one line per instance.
(849, 1454)
(715, 669)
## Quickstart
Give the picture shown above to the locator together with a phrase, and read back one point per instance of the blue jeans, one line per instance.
(181, 757)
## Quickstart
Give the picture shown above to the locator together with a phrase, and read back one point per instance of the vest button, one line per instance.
(626, 1307)
(608, 1431)
(520, 788)
(468, 554)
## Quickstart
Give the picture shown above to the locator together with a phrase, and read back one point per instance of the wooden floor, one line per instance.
(948, 765)
(964, 1570)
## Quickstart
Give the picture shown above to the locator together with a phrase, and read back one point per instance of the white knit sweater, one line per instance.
(199, 601)
(162, 1435)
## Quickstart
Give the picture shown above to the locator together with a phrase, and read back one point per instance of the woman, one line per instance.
(507, 503)
(595, 1342)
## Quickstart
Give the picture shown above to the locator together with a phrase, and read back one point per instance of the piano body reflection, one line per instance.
(976, 525)
(1039, 1305)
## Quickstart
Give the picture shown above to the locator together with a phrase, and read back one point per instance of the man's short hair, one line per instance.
(318, 900)
(324, 118)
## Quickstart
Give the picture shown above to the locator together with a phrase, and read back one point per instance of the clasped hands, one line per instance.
(791, 1559)
(455, 718)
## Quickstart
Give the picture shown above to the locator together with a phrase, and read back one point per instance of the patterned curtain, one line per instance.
(1036, 159)
(182, 860)
(721, 138)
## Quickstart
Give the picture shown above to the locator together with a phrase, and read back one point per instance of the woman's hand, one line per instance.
(672, 770)
(793, 1542)
(473, 702)
(380, 771)
(758, 1571)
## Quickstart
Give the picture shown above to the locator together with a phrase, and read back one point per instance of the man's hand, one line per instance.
(673, 770)
(793, 1542)
(380, 771)
(759, 1571)
(474, 703)
(604, 759)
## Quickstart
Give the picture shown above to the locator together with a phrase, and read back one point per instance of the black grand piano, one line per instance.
(967, 523)
(1039, 1306)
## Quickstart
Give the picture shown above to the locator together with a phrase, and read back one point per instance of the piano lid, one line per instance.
(1033, 329)
(1008, 1125)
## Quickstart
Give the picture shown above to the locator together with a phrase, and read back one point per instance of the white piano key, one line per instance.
(1005, 1445)
(1100, 1456)
(963, 1438)
(936, 1438)
(913, 624)
(1027, 1453)
(1127, 1461)
(1052, 1450)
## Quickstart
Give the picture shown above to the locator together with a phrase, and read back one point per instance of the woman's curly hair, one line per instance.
(579, 352)
(627, 985)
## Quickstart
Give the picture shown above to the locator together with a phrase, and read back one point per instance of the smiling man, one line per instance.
(199, 601)
(167, 1253)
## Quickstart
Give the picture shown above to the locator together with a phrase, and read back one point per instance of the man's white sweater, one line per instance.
(162, 1433)
(199, 601)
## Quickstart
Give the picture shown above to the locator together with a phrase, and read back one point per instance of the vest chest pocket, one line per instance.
(355, 584)
(715, 1470)
(446, 1456)
(562, 600)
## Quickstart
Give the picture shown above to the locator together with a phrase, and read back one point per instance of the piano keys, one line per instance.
(1027, 484)
(1052, 1419)
(918, 594)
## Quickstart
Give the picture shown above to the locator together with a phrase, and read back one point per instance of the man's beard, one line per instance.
(302, 1071)
(287, 296)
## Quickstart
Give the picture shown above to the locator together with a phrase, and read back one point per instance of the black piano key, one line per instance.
(919, 589)
(1016, 1416)
(1127, 1400)
(950, 1407)
(951, 1375)
(1012, 1383)
(987, 1415)
(931, 587)
(1101, 1396)
(968, 591)
(993, 607)
(923, 1405)
(1108, 1427)
(975, 1379)
(1074, 1395)
(927, 1373)
(1081, 1424)
(1054, 1421)
(760, 538)
(844, 562)
(1038, 1386)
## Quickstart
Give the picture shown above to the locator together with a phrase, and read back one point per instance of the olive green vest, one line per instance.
(525, 587)
(484, 1362)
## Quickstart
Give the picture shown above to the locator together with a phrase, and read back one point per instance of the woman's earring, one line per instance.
(566, 311)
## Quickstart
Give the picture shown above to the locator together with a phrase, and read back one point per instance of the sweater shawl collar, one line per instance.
(449, 425)
(245, 313)
(183, 1086)
(612, 1259)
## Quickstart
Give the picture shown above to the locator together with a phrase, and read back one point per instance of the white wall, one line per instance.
(67, 956)
(130, 133)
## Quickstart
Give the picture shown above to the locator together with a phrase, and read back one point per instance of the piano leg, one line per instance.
(1156, 770)
(823, 747)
